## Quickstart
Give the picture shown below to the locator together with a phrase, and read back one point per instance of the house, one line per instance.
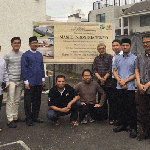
(128, 19)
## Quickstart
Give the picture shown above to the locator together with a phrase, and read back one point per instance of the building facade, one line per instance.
(128, 18)
(16, 19)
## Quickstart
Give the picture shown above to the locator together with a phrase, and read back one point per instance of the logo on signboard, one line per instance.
(109, 27)
(102, 26)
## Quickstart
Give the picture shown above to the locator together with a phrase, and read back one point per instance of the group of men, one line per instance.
(15, 68)
(118, 88)
(116, 82)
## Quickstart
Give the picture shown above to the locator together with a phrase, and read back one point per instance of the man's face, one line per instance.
(146, 44)
(34, 45)
(87, 77)
(16, 45)
(116, 47)
(101, 50)
(126, 47)
(60, 83)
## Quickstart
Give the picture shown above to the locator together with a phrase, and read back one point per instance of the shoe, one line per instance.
(11, 124)
(29, 122)
(111, 122)
(133, 133)
(74, 123)
(142, 136)
(84, 121)
(37, 120)
(91, 120)
(119, 129)
(19, 120)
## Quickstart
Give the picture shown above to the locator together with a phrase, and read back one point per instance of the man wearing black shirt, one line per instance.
(62, 101)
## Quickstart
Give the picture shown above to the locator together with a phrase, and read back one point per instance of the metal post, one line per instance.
(54, 75)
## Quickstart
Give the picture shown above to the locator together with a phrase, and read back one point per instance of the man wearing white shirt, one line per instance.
(34, 78)
(116, 47)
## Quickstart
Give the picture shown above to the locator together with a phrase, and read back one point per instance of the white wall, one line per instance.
(16, 17)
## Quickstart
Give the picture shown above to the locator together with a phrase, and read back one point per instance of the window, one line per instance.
(100, 18)
(145, 20)
(125, 22)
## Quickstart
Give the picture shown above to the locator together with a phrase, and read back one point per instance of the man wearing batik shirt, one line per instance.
(142, 72)
(124, 72)
(102, 68)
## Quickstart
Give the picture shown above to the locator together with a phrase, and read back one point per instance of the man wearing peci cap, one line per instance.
(34, 78)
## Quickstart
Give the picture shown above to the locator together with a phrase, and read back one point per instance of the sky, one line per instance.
(59, 10)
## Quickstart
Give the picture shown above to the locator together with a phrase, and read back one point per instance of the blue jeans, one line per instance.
(55, 115)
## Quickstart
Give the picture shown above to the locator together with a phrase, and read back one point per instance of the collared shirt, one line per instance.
(142, 63)
(125, 67)
(61, 100)
(27, 82)
(88, 91)
(121, 52)
(103, 65)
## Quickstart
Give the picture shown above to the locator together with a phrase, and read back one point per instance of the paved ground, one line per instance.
(47, 136)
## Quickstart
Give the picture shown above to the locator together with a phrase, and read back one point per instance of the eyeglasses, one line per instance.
(148, 42)
(101, 48)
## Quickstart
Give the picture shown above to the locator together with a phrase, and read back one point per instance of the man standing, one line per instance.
(116, 47)
(102, 68)
(3, 77)
(62, 101)
(13, 64)
(124, 72)
(34, 77)
(142, 72)
(87, 90)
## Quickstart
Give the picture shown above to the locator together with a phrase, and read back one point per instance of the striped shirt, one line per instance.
(13, 64)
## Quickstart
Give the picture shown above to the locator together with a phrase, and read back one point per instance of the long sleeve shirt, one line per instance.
(13, 65)
(32, 68)
(3, 73)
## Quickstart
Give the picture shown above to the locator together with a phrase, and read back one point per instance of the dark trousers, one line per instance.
(32, 101)
(113, 103)
(127, 114)
(95, 112)
(144, 109)
(1, 98)
(108, 91)
(54, 115)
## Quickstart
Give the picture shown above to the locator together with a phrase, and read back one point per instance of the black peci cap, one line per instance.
(33, 38)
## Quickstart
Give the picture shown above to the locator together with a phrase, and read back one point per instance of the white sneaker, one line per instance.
(84, 121)
(91, 120)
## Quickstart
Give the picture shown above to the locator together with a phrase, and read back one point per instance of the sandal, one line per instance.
(74, 123)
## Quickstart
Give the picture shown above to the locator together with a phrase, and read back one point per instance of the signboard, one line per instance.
(63, 42)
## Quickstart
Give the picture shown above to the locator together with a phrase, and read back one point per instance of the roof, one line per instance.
(138, 8)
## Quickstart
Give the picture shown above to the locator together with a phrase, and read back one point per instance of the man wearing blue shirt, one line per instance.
(34, 78)
(124, 73)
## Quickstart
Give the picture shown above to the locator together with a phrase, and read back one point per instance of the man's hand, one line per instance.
(27, 86)
(69, 105)
(103, 80)
(65, 109)
(82, 103)
(7, 86)
(125, 87)
(142, 88)
(97, 105)
(122, 82)
(43, 83)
